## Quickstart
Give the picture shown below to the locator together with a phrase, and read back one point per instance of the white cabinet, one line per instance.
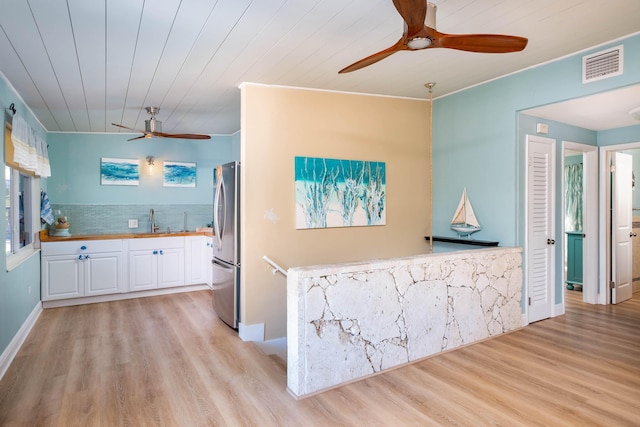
(156, 262)
(197, 259)
(87, 268)
(82, 268)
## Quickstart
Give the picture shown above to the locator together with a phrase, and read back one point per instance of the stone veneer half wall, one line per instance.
(349, 321)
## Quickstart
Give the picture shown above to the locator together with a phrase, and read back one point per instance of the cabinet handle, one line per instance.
(551, 242)
(83, 247)
(86, 257)
(80, 257)
(155, 252)
(161, 253)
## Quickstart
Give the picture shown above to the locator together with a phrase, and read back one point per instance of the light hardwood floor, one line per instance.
(169, 361)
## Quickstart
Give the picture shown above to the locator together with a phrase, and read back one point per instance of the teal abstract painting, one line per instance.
(119, 171)
(339, 193)
(179, 174)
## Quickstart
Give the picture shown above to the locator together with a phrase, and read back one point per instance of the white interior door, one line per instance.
(540, 239)
(621, 227)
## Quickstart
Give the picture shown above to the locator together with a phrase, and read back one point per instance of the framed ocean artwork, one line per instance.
(339, 193)
(119, 171)
(179, 174)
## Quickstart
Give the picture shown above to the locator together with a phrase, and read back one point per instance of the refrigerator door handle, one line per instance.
(216, 264)
(218, 223)
(226, 269)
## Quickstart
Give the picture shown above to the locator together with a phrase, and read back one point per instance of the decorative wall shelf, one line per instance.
(462, 241)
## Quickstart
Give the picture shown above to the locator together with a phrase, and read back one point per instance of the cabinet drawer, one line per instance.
(156, 243)
(80, 247)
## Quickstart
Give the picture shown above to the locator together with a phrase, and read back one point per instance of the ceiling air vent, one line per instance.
(602, 65)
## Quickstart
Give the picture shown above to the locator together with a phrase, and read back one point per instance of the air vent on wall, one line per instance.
(602, 65)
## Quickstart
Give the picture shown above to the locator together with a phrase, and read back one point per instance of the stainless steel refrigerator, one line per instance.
(226, 251)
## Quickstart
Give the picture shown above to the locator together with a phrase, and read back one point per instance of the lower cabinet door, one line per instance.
(61, 277)
(143, 270)
(171, 267)
(104, 274)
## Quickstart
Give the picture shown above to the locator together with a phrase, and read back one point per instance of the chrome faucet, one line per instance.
(152, 219)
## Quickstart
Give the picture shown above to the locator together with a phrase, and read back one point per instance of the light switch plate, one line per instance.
(133, 223)
(542, 128)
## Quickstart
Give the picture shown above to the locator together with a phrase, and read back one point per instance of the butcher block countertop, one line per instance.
(45, 237)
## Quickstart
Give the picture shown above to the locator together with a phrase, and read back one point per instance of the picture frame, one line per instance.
(178, 174)
(115, 171)
(339, 193)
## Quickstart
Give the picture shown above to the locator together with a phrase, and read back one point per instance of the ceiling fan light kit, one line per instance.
(420, 33)
(153, 129)
(419, 43)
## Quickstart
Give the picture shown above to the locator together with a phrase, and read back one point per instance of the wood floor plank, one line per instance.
(170, 361)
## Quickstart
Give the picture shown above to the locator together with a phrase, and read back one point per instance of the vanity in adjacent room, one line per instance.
(574, 259)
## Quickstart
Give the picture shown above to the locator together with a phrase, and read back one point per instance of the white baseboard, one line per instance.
(123, 296)
(12, 349)
(277, 347)
(558, 310)
(251, 332)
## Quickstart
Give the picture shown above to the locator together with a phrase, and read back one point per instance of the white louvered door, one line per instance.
(540, 238)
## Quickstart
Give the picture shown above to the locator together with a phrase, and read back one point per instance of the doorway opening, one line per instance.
(607, 208)
(580, 220)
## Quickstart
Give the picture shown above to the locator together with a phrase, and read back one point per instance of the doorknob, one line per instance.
(551, 242)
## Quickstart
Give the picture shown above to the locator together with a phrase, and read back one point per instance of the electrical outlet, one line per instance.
(133, 223)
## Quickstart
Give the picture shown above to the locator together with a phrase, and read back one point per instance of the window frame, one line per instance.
(17, 255)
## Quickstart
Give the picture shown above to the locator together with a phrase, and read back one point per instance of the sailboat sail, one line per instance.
(464, 220)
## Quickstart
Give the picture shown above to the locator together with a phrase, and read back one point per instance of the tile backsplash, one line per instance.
(114, 219)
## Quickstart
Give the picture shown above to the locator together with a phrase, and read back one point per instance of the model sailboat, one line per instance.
(464, 221)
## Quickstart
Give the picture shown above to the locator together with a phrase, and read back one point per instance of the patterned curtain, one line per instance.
(573, 197)
(29, 149)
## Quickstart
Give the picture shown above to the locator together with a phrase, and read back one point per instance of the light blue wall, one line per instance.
(75, 188)
(75, 168)
(619, 136)
(16, 302)
(477, 142)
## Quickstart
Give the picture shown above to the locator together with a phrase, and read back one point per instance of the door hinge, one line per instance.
(612, 168)
(612, 285)
(529, 300)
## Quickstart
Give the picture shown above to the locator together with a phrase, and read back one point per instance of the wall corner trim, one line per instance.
(10, 352)
(251, 332)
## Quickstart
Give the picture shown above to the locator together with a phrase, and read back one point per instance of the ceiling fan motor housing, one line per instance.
(153, 125)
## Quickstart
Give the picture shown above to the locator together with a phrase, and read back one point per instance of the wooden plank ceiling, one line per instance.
(81, 65)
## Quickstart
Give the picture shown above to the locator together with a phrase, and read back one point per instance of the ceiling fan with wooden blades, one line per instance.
(420, 33)
(153, 129)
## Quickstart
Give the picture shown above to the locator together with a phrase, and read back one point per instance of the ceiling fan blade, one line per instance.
(189, 136)
(483, 43)
(181, 135)
(413, 13)
(139, 137)
(162, 134)
(125, 127)
(372, 59)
